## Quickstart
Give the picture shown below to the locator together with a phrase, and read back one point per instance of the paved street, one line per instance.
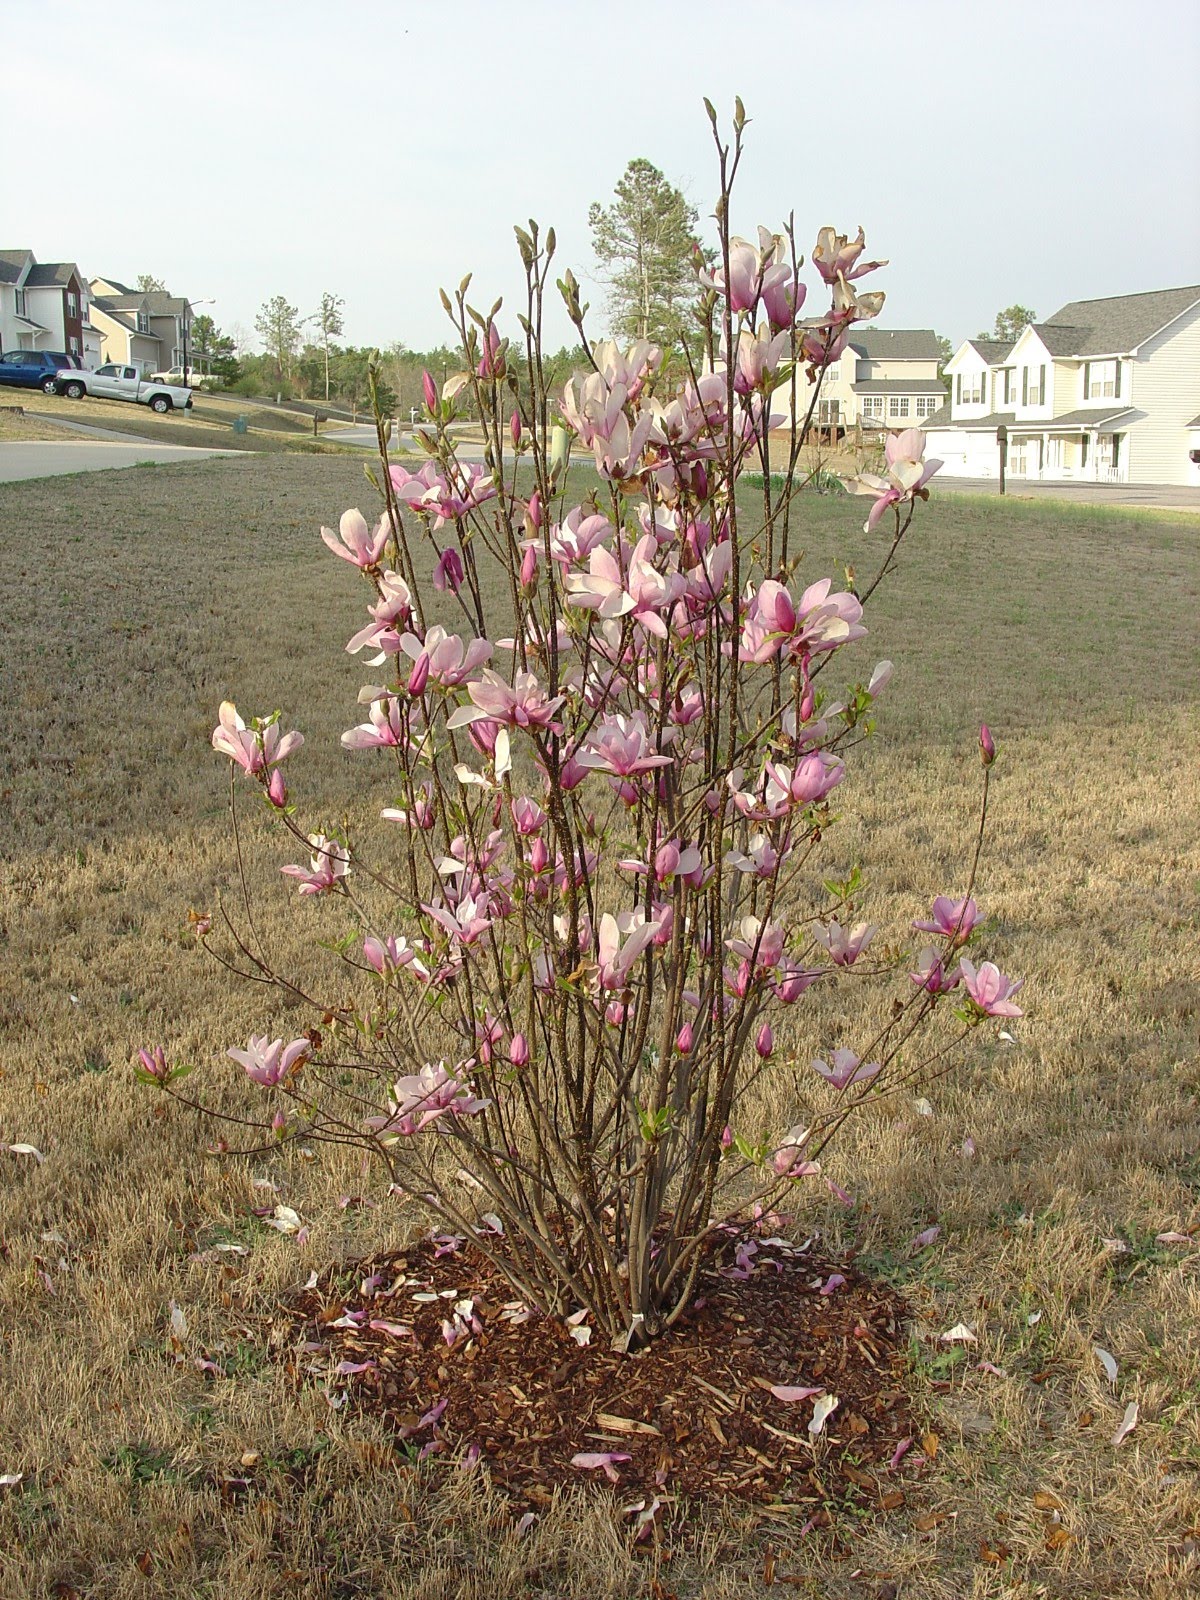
(35, 458)
(1168, 496)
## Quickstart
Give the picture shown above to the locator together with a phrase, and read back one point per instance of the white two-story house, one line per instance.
(45, 305)
(1105, 391)
(884, 378)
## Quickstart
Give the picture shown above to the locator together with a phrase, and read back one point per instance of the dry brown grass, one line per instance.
(14, 427)
(142, 601)
(210, 422)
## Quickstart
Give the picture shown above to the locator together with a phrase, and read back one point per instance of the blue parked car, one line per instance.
(34, 369)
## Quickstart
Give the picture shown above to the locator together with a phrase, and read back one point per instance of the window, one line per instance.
(20, 302)
(143, 322)
(1083, 450)
(898, 405)
(106, 372)
(872, 405)
(1033, 386)
(927, 404)
(73, 344)
(972, 389)
(72, 304)
(1101, 380)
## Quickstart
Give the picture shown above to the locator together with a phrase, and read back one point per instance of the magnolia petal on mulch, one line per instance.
(695, 1415)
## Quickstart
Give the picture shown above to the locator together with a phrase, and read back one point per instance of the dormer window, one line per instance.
(143, 322)
(972, 389)
(1033, 386)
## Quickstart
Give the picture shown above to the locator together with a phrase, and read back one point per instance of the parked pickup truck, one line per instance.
(122, 383)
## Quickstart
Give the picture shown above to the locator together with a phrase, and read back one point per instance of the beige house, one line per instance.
(885, 378)
(147, 329)
(1105, 391)
(44, 305)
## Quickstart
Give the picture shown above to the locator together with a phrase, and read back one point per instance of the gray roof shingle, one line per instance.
(993, 351)
(50, 274)
(939, 419)
(1121, 323)
(12, 264)
(897, 344)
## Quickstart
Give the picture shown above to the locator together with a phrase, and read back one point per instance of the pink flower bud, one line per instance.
(277, 789)
(278, 1124)
(987, 745)
(539, 855)
(726, 1137)
(419, 676)
(614, 1013)
(431, 394)
(518, 1050)
(535, 508)
(529, 566)
(683, 1040)
(765, 1041)
(154, 1064)
(514, 429)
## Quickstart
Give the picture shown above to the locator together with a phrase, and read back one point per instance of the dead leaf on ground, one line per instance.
(1059, 1538)
(1043, 1500)
(930, 1519)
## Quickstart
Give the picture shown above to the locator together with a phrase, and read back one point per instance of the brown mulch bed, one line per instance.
(694, 1412)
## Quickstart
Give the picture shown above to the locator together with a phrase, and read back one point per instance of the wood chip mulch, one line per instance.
(694, 1413)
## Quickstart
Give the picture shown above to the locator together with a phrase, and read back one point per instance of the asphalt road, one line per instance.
(36, 458)
(1173, 497)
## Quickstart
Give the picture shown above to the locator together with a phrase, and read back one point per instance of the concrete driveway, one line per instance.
(36, 458)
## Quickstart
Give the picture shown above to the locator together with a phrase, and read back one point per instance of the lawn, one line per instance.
(144, 600)
(209, 424)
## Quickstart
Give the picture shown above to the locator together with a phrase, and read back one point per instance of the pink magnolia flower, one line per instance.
(788, 1160)
(467, 921)
(951, 919)
(759, 857)
(932, 974)
(419, 1100)
(330, 864)
(987, 745)
(574, 539)
(907, 474)
(422, 814)
(354, 540)
(764, 1041)
(518, 1050)
(761, 942)
(836, 256)
(809, 781)
(451, 662)
(820, 621)
(384, 729)
(991, 991)
(601, 588)
(253, 750)
(615, 958)
(392, 609)
(623, 746)
(844, 945)
(845, 1069)
(521, 704)
(792, 980)
(389, 954)
(268, 1063)
(758, 359)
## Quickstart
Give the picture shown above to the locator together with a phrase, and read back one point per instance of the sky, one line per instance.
(1030, 152)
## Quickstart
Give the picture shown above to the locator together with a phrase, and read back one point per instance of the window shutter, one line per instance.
(958, 388)
(1024, 386)
(1042, 388)
(1117, 381)
(1087, 380)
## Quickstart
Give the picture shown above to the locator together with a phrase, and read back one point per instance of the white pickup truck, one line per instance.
(113, 382)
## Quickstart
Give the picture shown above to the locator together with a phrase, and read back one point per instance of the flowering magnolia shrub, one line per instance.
(605, 767)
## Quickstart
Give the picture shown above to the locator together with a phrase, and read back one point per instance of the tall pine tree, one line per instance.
(645, 242)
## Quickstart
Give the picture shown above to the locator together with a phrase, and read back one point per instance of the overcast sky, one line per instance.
(1036, 150)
